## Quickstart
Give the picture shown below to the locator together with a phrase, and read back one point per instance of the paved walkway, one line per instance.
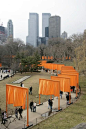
(40, 114)
(21, 80)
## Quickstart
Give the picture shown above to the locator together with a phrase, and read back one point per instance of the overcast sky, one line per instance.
(72, 13)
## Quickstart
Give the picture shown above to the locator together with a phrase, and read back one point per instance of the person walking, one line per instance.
(1, 76)
(16, 113)
(30, 90)
(5, 117)
(34, 107)
(31, 105)
(61, 92)
(20, 112)
(48, 103)
(2, 116)
(51, 104)
(21, 84)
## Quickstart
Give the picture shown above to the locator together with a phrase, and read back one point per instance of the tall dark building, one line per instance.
(2, 30)
(46, 31)
(54, 26)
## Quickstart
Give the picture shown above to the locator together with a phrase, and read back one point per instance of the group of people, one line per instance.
(33, 106)
(50, 104)
(20, 110)
(4, 114)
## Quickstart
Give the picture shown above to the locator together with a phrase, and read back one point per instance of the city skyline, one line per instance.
(72, 15)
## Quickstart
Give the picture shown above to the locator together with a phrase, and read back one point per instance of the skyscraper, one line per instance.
(54, 26)
(10, 29)
(45, 22)
(33, 29)
(64, 35)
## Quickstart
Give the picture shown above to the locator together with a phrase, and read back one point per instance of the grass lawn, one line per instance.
(32, 81)
(71, 116)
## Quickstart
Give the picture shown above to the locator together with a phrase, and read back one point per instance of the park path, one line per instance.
(40, 114)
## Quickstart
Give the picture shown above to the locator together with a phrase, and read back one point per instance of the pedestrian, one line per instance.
(21, 84)
(73, 89)
(30, 90)
(2, 116)
(5, 117)
(34, 107)
(20, 112)
(51, 104)
(67, 98)
(1, 76)
(16, 113)
(61, 92)
(48, 103)
(31, 105)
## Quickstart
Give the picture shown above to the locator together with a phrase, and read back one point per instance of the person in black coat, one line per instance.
(51, 104)
(31, 105)
(30, 90)
(61, 92)
(20, 112)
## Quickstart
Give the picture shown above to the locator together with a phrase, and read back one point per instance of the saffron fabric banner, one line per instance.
(64, 83)
(73, 79)
(49, 87)
(16, 95)
(67, 68)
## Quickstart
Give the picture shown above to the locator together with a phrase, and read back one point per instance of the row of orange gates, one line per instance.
(69, 77)
(51, 57)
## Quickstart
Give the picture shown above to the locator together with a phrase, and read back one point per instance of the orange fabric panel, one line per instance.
(16, 95)
(73, 78)
(64, 83)
(48, 87)
(59, 66)
(24, 98)
(10, 94)
(67, 85)
(66, 57)
(67, 68)
(45, 57)
(19, 97)
(58, 79)
(40, 86)
(42, 57)
(69, 57)
(0, 64)
(56, 88)
(73, 73)
(44, 87)
(55, 66)
(51, 57)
